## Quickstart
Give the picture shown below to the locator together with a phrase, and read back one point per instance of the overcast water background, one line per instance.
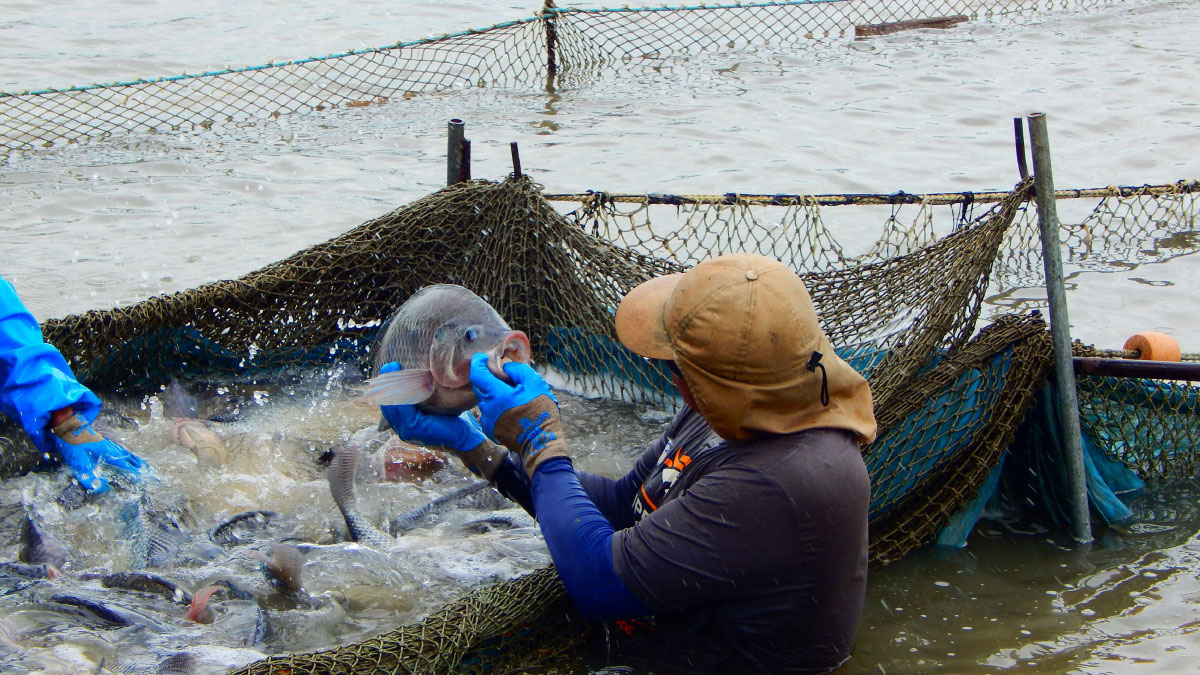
(113, 222)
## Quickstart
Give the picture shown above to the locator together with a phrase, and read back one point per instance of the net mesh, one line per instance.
(904, 311)
(565, 46)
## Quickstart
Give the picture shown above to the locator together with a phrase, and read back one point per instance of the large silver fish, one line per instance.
(433, 336)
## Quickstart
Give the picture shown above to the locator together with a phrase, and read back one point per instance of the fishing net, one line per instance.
(556, 47)
(904, 308)
(475, 634)
(1150, 426)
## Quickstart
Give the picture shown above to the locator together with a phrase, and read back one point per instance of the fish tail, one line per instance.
(341, 477)
(399, 387)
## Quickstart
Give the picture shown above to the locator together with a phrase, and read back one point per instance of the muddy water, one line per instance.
(921, 111)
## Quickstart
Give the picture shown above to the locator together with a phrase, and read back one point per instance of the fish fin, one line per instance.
(287, 565)
(179, 663)
(199, 610)
(399, 387)
(341, 476)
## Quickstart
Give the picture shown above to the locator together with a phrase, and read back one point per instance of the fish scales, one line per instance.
(156, 536)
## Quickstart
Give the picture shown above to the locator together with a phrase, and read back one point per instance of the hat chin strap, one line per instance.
(814, 362)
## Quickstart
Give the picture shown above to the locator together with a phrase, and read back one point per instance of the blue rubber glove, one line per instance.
(460, 433)
(497, 397)
(82, 449)
(522, 416)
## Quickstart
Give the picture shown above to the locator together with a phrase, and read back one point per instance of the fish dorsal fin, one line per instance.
(399, 387)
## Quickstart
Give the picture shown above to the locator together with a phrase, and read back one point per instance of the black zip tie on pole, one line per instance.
(1019, 140)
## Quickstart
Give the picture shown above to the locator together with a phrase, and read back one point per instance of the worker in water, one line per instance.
(39, 392)
(738, 543)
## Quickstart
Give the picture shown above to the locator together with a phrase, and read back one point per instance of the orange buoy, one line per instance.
(1153, 346)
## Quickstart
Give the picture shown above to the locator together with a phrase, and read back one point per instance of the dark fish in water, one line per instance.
(413, 519)
(283, 567)
(38, 547)
(146, 582)
(433, 336)
(341, 485)
(156, 536)
(179, 402)
(179, 663)
(234, 529)
(104, 612)
(498, 523)
(28, 571)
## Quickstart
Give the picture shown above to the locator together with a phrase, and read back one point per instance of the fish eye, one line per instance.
(471, 334)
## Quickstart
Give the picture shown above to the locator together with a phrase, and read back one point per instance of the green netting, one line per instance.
(564, 46)
(948, 397)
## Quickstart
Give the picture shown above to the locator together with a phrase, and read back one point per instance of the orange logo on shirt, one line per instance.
(679, 462)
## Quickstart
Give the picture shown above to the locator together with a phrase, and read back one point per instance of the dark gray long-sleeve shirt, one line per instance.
(752, 555)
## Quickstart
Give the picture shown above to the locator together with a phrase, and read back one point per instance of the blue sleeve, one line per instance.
(580, 542)
(614, 498)
(35, 379)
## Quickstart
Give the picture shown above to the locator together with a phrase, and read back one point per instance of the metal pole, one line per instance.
(454, 146)
(1154, 370)
(551, 39)
(516, 158)
(1060, 326)
(464, 171)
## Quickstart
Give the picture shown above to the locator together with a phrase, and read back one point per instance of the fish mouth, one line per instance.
(514, 347)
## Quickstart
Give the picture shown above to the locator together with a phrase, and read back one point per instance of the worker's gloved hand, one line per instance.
(82, 448)
(522, 416)
(461, 433)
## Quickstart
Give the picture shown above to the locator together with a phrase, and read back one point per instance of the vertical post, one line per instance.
(1060, 327)
(464, 171)
(454, 147)
(516, 158)
(551, 38)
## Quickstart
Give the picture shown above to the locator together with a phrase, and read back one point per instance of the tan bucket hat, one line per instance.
(742, 329)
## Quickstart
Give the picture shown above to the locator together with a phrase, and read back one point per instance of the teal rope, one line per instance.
(402, 45)
(740, 5)
(268, 66)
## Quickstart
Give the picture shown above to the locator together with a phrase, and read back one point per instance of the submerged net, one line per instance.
(557, 46)
(475, 634)
(948, 396)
